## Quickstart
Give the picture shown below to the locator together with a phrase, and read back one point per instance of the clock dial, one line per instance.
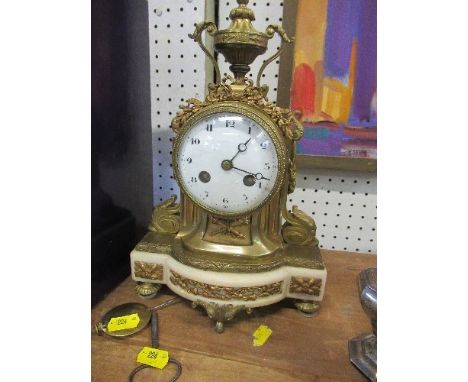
(227, 163)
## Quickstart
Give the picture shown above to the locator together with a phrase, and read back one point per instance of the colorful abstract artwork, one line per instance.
(334, 81)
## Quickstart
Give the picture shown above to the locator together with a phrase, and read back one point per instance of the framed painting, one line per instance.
(329, 78)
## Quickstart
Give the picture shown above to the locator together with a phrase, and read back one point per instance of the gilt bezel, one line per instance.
(256, 115)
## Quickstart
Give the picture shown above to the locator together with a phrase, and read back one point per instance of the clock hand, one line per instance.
(257, 176)
(241, 147)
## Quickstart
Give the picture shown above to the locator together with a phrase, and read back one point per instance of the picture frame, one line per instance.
(285, 81)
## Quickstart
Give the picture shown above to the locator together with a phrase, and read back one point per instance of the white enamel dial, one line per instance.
(227, 163)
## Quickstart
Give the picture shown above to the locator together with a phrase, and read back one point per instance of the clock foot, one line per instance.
(220, 313)
(147, 290)
(219, 327)
(307, 308)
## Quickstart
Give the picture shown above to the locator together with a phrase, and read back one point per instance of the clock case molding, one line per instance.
(228, 264)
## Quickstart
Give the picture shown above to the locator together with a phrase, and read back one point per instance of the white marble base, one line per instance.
(284, 274)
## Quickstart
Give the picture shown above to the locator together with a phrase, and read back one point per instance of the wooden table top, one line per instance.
(299, 349)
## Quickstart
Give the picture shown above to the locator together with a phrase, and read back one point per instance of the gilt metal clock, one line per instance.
(232, 244)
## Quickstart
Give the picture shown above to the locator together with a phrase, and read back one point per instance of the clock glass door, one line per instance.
(227, 164)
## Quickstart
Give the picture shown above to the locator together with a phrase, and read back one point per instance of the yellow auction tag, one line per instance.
(153, 357)
(261, 335)
(124, 322)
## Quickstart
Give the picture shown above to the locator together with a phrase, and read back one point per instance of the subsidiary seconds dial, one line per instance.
(227, 163)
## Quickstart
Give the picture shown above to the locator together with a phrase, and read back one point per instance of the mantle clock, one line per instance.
(231, 244)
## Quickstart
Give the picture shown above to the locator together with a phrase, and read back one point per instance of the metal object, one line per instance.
(147, 290)
(262, 118)
(307, 308)
(225, 293)
(146, 315)
(197, 235)
(166, 217)
(363, 349)
(155, 344)
(220, 313)
(123, 310)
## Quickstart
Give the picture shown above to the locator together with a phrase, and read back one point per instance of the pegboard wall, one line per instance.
(343, 204)
(178, 72)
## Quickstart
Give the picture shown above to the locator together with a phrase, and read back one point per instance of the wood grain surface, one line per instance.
(299, 349)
